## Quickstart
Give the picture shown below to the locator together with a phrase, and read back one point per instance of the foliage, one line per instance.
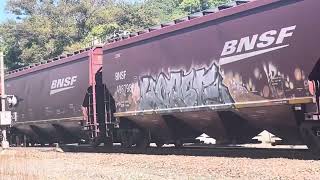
(47, 28)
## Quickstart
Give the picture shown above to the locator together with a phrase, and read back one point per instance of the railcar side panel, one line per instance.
(258, 57)
(55, 93)
(261, 54)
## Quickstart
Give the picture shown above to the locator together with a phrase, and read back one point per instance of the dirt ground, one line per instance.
(20, 163)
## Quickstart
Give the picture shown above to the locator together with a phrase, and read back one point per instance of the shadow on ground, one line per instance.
(236, 152)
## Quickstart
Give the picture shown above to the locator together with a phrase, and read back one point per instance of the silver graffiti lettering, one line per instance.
(196, 87)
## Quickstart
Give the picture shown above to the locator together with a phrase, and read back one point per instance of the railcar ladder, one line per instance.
(92, 124)
(108, 113)
(315, 115)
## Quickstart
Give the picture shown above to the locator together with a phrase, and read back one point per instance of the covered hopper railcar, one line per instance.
(229, 72)
(51, 96)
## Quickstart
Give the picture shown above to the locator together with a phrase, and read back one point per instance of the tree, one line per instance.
(192, 6)
(11, 46)
(47, 28)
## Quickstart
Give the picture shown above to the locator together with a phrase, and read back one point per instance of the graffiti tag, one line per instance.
(194, 88)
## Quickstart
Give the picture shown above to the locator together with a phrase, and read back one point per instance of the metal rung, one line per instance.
(86, 128)
(312, 116)
(315, 117)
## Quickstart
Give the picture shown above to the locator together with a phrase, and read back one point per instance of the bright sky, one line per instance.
(3, 15)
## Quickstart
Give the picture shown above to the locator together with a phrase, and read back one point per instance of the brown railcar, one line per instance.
(51, 96)
(228, 73)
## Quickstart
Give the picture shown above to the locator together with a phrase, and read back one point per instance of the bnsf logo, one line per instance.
(238, 48)
(59, 85)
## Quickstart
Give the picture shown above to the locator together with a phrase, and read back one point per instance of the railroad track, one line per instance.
(226, 151)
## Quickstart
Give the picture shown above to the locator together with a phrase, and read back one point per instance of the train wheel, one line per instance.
(108, 142)
(310, 132)
(143, 141)
(178, 144)
(17, 139)
(126, 141)
(32, 143)
(126, 144)
(95, 142)
(159, 144)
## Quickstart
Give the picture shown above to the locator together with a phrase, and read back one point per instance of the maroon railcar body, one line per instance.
(229, 74)
(51, 96)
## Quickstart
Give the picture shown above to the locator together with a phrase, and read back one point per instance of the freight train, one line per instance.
(229, 72)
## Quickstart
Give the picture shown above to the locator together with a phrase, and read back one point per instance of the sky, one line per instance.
(3, 15)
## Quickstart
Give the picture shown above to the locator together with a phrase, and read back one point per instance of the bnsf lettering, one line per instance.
(63, 82)
(264, 40)
(120, 75)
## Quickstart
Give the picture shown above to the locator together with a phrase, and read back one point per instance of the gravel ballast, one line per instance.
(36, 164)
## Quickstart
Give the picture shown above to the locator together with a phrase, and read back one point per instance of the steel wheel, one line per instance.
(178, 144)
(308, 133)
(159, 144)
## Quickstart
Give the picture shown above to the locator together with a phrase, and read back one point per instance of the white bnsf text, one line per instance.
(120, 75)
(256, 44)
(260, 41)
(63, 82)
